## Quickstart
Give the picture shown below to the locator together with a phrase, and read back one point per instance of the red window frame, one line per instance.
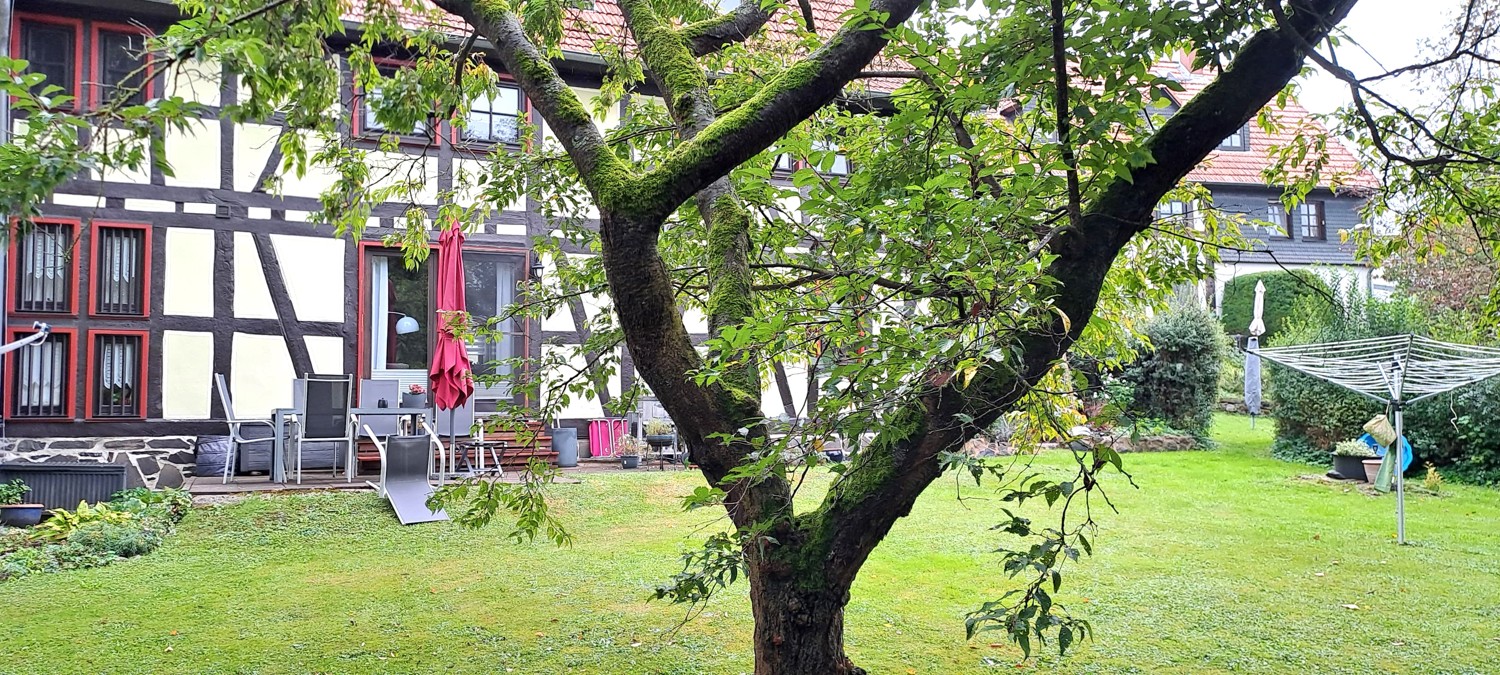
(96, 88)
(71, 400)
(94, 266)
(456, 137)
(75, 24)
(13, 275)
(357, 119)
(89, 372)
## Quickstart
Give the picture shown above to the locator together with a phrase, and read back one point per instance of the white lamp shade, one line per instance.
(407, 325)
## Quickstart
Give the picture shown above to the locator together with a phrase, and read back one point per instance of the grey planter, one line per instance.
(630, 461)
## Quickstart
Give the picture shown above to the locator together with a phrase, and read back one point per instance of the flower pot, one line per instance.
(660, 440)
(835, 455)
(1372, 468)
(414, 400)
(20, 515)
(1350, 467)
(630, 461)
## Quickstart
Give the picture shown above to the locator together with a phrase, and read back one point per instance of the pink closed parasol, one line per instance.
(452, 379)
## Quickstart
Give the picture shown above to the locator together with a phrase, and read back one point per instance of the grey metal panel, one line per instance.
(1339, 213)
(62, 485)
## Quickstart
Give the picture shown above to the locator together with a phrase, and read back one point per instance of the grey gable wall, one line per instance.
(1339, 213)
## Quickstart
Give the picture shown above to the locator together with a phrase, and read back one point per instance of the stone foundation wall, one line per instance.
(156, 462)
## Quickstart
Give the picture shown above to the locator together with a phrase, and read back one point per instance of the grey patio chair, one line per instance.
(236, 439)
(323, 417)
(371, 392)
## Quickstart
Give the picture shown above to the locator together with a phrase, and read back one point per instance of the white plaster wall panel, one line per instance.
(258, 213)
(511, 230)
(313, 270)
(297, 216)
(326, 353)
(195, 80)
(561, 320)
(188, 280)
(580, 407)
(85, 201)
(151, 205)
(193, 154)
(468, 174)
(390, 169)
(187, 365)
(253, 145)
(695, 321)
(262, 375)
(116, 138)
(252, 298)
(201, 208)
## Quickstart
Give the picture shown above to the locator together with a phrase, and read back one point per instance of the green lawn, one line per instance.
(1221, 561)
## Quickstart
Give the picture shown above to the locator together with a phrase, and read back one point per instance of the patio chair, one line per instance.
(458, 431)
(405, 475)
(323, 417)
(236, 439)
(371, 392)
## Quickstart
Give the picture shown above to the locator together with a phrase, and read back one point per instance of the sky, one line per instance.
(1391, 31)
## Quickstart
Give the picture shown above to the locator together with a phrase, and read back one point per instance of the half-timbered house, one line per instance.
(153, 283)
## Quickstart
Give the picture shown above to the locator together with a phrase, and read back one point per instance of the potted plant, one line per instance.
(12, 511)
(630, 450)
(1372, 469)
(414, 397)
(659, 433)
(1349, 457)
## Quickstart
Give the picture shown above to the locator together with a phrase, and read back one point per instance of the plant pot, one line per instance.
(1350, 467)
(1372, 468)
(414, 400)
(835, 455)
(630, 461)
(661, 440)
(21, 515)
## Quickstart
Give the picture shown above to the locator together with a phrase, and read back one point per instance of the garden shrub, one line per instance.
(125, 541)
(134, 522)
(1285, 292)
(1459, 432)
(1176, 379)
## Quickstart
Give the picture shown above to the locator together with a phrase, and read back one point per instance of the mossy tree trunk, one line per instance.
(800, 584)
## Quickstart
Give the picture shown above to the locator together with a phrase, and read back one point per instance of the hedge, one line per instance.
(1284, 292)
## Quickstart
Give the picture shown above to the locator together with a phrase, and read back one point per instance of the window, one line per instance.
(837, 166)
(41, 377)
(52, 50)
(115, 360)
(1175, 212)
(1308, 219)
(495, 118)
(1276, 215)
(1239, 140)
(369, 124)
(489, 289)
(120, 62)
(44, 269)
(121, 269)
(783, 163)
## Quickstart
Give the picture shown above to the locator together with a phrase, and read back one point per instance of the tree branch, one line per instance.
(710, 35)
(791, 97)
(545, 89)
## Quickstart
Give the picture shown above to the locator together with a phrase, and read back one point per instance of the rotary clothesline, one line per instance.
(42, 331)
(1395, 371)
(1404, 368)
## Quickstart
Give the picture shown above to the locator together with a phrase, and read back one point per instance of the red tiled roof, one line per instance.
(1244, 167)
(583, 28)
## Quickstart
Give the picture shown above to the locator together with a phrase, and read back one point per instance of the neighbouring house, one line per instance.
(1304, 237)
(155, 283)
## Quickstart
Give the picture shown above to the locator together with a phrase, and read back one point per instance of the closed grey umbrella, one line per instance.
(1252, 360)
